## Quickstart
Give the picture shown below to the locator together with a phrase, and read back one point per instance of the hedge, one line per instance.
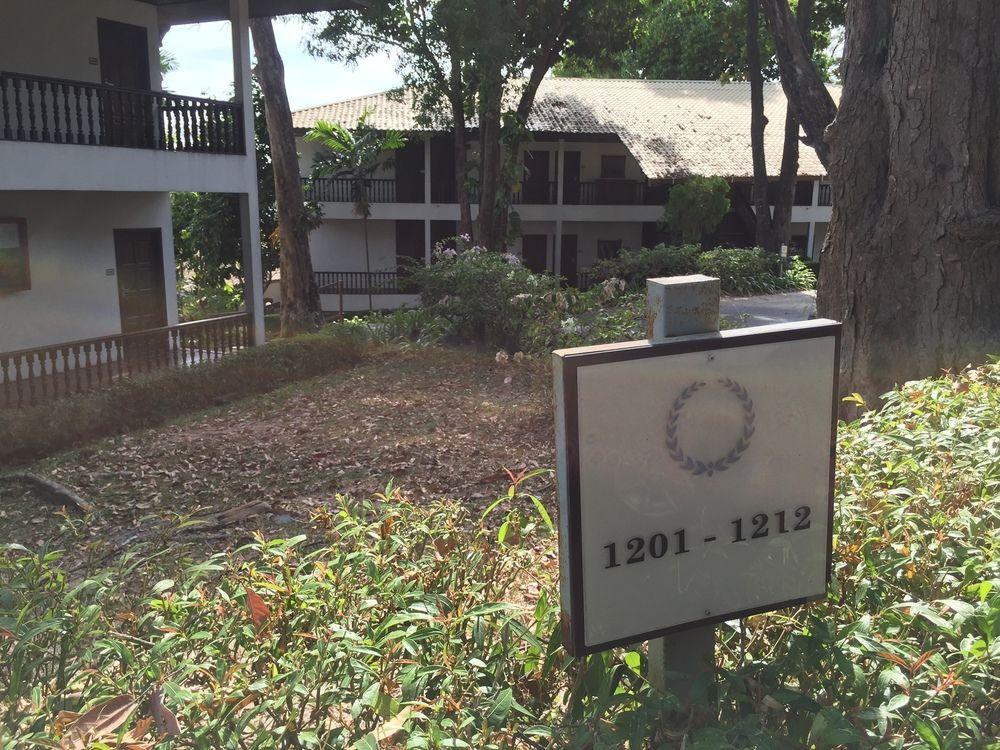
(147, 400)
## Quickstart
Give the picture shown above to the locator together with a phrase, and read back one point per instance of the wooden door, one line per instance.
(409, 244)
(126, 117)
(409, 167)
(443, 169)
(571, 178)
(534, 253)
(567, 259)
(536, 178)
(141, 294)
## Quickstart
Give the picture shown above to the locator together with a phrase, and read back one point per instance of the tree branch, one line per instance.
(807, 93)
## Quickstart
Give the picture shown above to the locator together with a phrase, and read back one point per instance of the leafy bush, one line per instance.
(195, 303)
(485, 296)
(799, 274)
(395, 623)
(398, 624)
(145, 400)
(751, 271)
(420, 325)
(634, 267)
(696, 207)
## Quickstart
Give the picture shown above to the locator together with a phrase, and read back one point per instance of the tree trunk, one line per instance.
(912, 260)
(456, 98)
(803, 85)
(300, 306)
(490, 154)
(764, 233)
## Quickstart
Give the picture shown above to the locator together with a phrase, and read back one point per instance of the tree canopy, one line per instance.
(689, 40)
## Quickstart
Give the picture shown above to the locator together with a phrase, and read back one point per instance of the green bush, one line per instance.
(397, 617)
(195, 303)
(145, 400)
(419, 325)
(487, 297)
(696, 207)
(634, 267)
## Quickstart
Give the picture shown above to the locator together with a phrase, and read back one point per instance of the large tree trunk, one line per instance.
(300, 306)
(491, 192)
(912, 259)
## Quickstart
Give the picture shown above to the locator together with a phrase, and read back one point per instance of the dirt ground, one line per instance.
(437, 423)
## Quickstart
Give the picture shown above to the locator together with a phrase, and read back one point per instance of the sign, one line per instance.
(695, 479)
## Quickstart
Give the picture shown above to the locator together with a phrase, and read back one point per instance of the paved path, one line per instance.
(768, 308)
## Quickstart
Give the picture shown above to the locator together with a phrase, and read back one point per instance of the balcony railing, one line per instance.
(55, 110)
(608, 193)
(825, 194)
(536, 194)
(338, 190)
(361, 282)
(33, 376)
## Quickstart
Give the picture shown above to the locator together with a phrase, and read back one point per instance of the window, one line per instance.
(612, 167)
(14, 270)
(608, 249)
(803, 193)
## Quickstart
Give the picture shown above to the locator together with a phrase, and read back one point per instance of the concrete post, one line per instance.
(427, 201)
(253, 277)
(678, 306)
(557, 247)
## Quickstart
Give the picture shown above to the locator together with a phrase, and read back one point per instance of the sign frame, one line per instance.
(566, 364)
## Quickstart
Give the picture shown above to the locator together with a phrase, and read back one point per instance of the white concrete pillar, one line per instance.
(815, 200)
(810, 251)
(253, 281)
(560, 171)
(427, 199)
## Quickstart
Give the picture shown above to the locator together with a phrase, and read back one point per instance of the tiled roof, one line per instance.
(673, 128)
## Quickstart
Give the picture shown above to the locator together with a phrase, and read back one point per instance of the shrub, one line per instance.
(743, 271)
(420, 325)
(195, 302)
(696, 207)
(398, 618)
(146, 400)
(395, 619)
(634, 267)
(487, 297)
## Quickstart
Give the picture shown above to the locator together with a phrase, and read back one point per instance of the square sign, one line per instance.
(695, 479)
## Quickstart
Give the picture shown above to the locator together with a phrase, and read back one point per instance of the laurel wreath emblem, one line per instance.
(697, 466)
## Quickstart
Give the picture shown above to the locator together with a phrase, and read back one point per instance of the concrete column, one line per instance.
(677, 306)
(557, 247)
(253, 282)
(815, 200)
(427, 200)
(812, 238)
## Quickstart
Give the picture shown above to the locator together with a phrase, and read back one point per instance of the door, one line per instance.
(141, 295)
(535, 187)
(442, 169)
(567, 259)
(126, 116)
(409, 245)
(534, 253)
(410, 172)
(571, 178)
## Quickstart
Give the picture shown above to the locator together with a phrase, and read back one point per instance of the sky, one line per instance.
(203, 54)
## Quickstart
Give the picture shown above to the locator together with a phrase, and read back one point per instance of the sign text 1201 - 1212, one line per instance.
(640, 549)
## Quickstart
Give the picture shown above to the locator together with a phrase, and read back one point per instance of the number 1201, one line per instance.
(638, 547)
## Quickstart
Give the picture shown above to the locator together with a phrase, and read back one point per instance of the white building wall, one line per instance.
(71, 250)
(339, 245)
(590, 233)
(58, 38)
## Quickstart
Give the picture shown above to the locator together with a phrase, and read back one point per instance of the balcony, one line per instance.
(36, 109)
(825, 194)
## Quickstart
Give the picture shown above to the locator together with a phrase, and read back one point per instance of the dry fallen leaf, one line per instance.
(259, 612)
(165, 719)
(100, 721)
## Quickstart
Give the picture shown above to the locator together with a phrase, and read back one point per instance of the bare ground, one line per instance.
(437, 423)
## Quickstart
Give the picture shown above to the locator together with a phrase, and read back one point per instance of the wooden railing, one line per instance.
(32, 376)
(585, 280)
(536, 193)
(55, 110)
(825, 194)
(338, 190)
(606, 193)
(360, 282)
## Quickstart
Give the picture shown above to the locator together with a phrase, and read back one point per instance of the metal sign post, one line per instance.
(695, 474)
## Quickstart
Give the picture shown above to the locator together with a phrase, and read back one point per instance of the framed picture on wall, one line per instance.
(15, 273)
